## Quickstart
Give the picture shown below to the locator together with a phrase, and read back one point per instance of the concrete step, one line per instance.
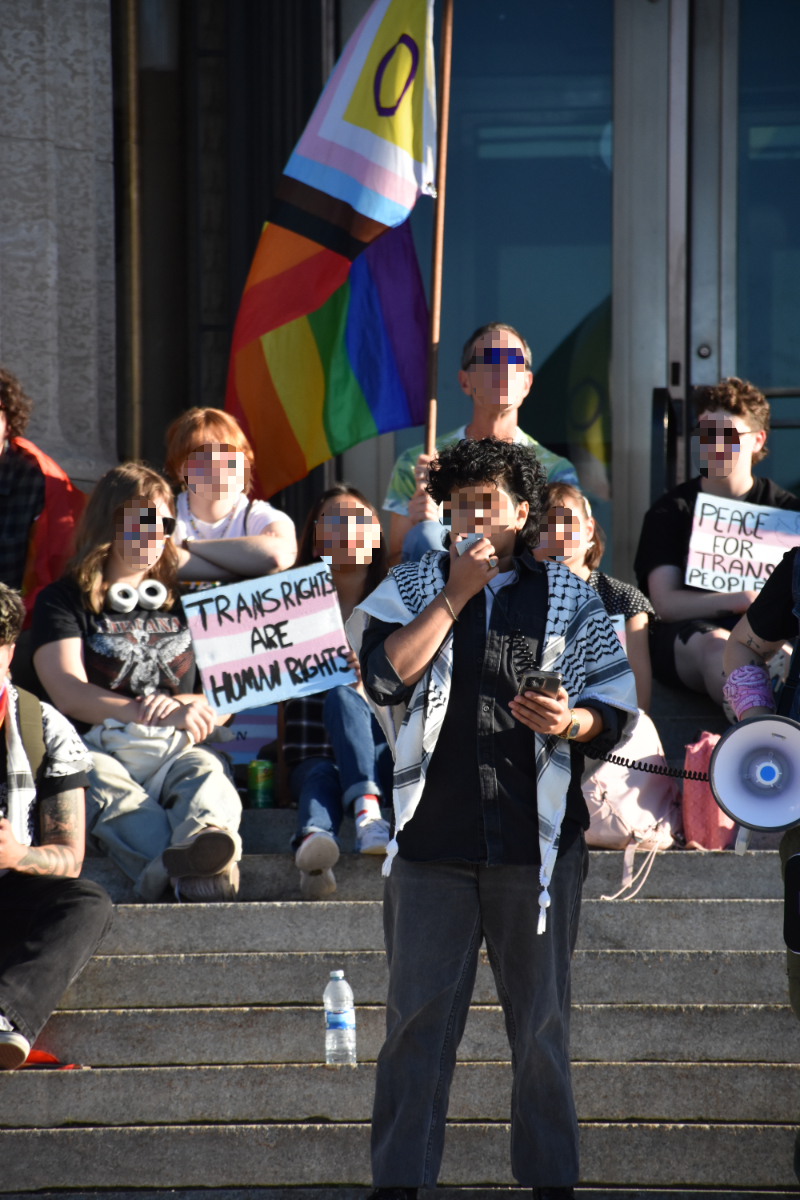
(676, 874)
(442, 1193)
(754, 925)
(672, 1092)
(646, 1155)
(600, 1032)
(598, 977)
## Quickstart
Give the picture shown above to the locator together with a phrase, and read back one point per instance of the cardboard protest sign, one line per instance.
(269, 639)
(736, 546)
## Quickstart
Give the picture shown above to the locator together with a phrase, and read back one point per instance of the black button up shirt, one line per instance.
(479, 799)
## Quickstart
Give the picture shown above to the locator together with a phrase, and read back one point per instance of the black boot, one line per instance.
(397, 1193)
(553, 1193)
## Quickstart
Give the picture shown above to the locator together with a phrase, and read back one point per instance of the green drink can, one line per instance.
(259, 783)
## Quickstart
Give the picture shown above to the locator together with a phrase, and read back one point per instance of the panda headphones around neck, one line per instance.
(123, 598)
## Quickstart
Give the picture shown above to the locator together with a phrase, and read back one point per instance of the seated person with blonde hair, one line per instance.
(112, 648)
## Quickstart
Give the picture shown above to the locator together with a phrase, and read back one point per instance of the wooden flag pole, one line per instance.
(445, 56)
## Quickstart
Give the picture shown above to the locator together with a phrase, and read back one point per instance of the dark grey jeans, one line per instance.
(435, 916)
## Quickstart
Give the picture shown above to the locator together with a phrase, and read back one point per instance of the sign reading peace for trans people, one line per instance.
(269, 639)
(736, 546)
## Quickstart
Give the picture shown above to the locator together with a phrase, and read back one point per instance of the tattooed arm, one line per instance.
(63, 823)
(744, 648)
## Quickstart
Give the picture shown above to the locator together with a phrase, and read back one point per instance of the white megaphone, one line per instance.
(754, 775)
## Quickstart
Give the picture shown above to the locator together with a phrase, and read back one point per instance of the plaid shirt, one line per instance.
(304, 734)
(21, 501)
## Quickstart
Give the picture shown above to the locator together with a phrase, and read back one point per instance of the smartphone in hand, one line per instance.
(546, 683)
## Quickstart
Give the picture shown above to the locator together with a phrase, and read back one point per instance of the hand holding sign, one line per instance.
(269, 639)
(735, 546)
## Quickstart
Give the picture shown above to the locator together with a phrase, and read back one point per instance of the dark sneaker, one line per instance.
(207, 853)
(393, 1194)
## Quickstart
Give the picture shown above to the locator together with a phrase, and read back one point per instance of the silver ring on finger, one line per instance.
(492, 563)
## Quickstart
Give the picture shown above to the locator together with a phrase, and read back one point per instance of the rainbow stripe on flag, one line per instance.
(330, 343)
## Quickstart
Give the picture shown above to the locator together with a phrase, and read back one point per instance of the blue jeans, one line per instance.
(363, 765)
(427, 535)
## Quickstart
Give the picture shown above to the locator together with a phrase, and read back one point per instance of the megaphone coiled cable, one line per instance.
(652, 768)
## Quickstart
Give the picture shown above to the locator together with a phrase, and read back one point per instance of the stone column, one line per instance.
(57, 302)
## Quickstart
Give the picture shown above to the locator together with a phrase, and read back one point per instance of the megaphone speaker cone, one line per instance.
(754, 773)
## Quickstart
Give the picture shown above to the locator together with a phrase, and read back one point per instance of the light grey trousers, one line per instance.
(134, 830)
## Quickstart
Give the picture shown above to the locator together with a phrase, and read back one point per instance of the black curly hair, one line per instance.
(12, 615)
(508, 464)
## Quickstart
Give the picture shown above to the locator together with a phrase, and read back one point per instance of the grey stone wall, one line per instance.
(57, 225)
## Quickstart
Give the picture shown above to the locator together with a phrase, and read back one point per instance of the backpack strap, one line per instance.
(29, 711)
(246, 515)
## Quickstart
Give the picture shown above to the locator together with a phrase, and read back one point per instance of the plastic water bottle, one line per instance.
(340, 1022)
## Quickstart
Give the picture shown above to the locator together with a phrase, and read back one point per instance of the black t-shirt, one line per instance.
(667, 527)
(133, 653)
(770, 615)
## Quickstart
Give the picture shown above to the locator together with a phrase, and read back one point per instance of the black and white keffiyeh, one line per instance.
(579, 641)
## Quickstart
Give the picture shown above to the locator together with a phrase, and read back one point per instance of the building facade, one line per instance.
(622, 187)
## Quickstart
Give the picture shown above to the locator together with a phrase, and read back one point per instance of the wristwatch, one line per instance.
(573, 729)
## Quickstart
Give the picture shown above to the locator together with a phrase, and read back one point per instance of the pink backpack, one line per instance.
(705, 825)
(632, 810)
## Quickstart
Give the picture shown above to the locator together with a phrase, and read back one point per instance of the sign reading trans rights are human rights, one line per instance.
(269, 639)
(735, 546)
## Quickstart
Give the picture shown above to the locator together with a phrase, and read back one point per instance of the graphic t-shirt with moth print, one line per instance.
(133, 653)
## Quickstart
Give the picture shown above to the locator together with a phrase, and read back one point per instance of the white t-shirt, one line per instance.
(500, 581)
(261, 515)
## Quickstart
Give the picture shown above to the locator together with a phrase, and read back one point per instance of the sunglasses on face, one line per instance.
(498, 356)
(149, 516)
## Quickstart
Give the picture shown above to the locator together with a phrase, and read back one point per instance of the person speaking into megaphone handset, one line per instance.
(771, 747)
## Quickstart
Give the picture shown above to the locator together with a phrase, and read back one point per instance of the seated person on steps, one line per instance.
(220, 534)
(688, 642)
(488, 808)
(571, 535)
(332, 743)
(496, 374)
(111, 646)
(51, 922)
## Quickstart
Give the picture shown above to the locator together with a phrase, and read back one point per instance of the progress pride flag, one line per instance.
(269, 639)
(736, 546)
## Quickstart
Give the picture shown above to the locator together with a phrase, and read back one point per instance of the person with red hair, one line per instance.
(221, 535)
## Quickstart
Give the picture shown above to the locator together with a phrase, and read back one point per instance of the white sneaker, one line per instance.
(14, 1049)
(315, 856)
(372, 835)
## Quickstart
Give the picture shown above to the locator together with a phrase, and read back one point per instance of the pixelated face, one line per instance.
(561, 536)
(716, 445)
(497, 375)
(484, 509)
(143, 531)
(347, 533)
(216, 471)
(6, 654)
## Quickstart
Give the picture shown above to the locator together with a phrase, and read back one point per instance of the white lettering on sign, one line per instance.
(735, 547)
(269, 639)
